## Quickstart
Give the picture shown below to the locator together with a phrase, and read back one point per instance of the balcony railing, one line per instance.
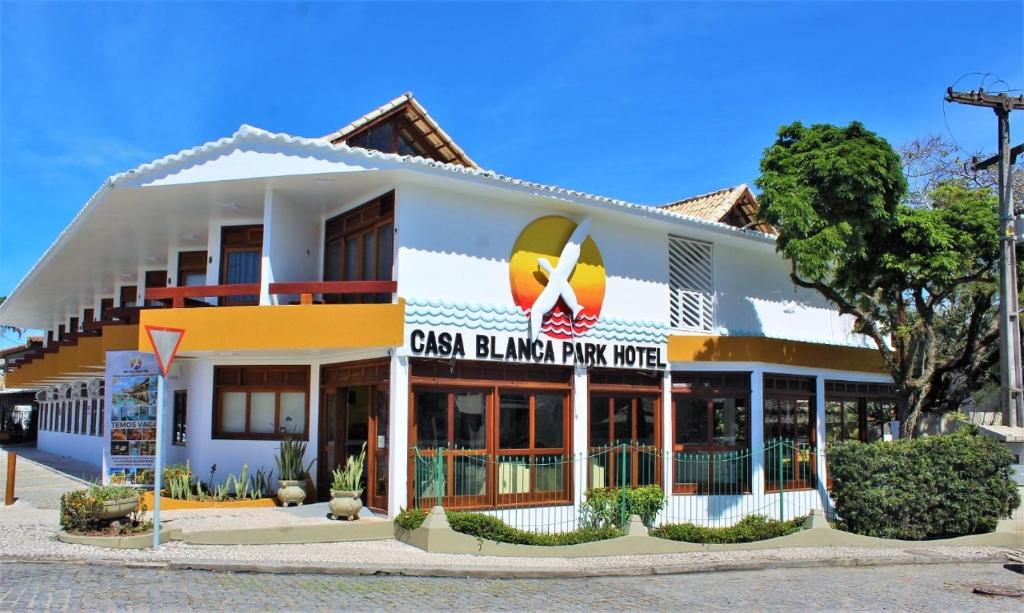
(306, 290)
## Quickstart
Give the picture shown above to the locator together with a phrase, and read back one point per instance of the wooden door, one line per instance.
(378, 448)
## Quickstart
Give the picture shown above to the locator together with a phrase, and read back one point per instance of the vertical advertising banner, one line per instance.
(132, 405)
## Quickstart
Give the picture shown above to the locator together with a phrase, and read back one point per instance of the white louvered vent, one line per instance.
(692, 284)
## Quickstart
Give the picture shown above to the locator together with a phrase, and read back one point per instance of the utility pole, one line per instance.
(1010, 375)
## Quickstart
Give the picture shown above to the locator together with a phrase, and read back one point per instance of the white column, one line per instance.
(580, 417)
(666, 432)
(313, 451)
(398, 464)
(266, 272)
(819, 444)
(757, 434)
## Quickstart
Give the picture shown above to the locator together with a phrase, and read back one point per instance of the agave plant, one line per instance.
(289, 460)
(350, 477)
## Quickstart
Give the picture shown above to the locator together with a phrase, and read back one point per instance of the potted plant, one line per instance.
(346, 487)
(117, 500)
(291, 472)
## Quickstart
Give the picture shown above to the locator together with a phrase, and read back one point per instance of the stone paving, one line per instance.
(41, 478)
(943, 587)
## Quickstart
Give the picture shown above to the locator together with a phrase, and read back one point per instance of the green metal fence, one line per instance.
(539, 491)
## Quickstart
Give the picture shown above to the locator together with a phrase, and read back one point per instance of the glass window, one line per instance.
(514, 425)
(432, 419)
(549, 421)
(261, 402)
(624, 420)
(332, 261)
(511, 455)
(293, 411)
(711, 452)
(471, 420)
(262, 412)
(178, 425)
(232, 412)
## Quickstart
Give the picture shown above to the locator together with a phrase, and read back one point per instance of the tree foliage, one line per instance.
(904, 271)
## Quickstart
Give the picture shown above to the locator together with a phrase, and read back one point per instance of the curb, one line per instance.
(512, 573)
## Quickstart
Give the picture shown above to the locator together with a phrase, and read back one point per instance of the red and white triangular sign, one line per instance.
(165, 342)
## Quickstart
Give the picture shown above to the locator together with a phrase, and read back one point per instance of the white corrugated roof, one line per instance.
(250, 133)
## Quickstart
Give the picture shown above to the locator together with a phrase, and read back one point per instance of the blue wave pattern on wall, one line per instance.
(510, 319)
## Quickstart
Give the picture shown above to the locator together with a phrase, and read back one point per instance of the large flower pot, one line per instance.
(121, 507)
(291, 492)
(345, 504)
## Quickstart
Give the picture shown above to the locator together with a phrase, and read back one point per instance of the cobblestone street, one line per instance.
(67, 587)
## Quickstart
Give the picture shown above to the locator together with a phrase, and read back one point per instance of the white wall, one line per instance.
(456, 247)
(291, 234)
(755, 297)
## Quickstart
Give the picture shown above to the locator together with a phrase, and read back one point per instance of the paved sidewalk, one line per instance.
(28, 533)
(43, 477)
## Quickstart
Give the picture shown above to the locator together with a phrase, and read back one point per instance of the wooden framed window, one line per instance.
(857, 410)
(261, 402)
(127, 296)
(790, 409)
(192, 268)
(711, 433)
(241, 253)
(359, 246)
(624, 432)
(179, 418)
(503, 440)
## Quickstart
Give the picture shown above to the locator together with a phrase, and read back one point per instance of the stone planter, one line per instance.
(122, 507)
(291, 492)
(345, 504)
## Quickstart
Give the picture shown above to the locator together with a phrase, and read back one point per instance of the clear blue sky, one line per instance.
(645, 102)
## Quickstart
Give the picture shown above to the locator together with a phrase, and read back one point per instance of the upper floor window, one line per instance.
(191, 268)
(395, 136)
(359, 246)
(241, 250)
(691, 284)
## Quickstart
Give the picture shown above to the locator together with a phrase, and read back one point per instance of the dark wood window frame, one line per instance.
(179, 419)
(709, 386)
(239, 239)
(611, 384)
(861, 394)
(792, 388)
(190, 262)
(221, 387)
(375, 217)
(493, 380)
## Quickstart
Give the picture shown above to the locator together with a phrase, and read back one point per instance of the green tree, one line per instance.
(918, 280)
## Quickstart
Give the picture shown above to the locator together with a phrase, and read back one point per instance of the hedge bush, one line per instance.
(934, 487)
(747, 530)
(603, 506)
(491, 528)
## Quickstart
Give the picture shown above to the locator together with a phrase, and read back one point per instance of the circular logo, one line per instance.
(549, 266)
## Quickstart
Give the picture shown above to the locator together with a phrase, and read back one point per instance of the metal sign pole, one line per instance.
(158, 464)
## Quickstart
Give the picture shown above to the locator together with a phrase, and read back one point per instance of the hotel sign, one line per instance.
(557, 279)
(454, 345)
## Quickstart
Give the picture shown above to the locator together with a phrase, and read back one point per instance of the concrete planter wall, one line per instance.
(436, 536)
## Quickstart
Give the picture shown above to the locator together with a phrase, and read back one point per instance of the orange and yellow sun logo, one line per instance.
(535, 262)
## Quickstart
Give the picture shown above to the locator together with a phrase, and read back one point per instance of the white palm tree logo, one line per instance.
(558, 280)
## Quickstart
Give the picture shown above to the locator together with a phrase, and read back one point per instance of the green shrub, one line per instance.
(603, 506)
(491, 528)
(80, 511)
(747, 530)
(934, 487)
(410, 519)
